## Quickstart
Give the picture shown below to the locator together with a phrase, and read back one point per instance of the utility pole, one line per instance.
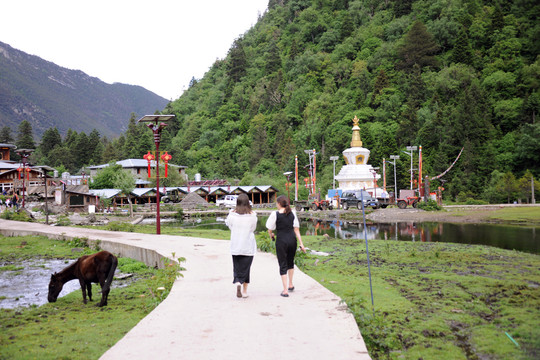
(333, 159)
(411, 150)
(395, 158)
(533, 201)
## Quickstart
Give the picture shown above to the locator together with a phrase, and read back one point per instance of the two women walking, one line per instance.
(243, 221)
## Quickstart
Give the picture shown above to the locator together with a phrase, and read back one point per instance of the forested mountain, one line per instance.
(47, 95)
(443, 74)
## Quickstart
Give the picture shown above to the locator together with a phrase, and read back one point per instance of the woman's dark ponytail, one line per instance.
(284, 202)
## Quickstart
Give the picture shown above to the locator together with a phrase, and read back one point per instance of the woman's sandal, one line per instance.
(284, 295)
(291, 288)
(239, 291)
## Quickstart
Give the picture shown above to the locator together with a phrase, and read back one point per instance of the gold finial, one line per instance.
(356, 141)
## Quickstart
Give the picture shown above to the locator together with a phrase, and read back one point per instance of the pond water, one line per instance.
(29, 284)
(521, 238)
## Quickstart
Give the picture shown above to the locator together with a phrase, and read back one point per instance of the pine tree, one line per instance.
(273, 58)
(97, 147)
(381, 82)
(293, 51)
(25, 138)
(419, 47)
(237, 61)
(51, 138)
(82, 151)
(462, 52)
(347, 26)
(5, 135)
(402, 7)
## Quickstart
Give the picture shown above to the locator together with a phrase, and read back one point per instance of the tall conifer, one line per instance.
(25, 137)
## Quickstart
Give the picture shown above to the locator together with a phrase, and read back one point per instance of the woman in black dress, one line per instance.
(287, 227)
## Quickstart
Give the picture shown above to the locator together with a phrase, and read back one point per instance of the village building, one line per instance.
(138, 168)
(73, 191)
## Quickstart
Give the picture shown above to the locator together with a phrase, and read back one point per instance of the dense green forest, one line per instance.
(443, 74)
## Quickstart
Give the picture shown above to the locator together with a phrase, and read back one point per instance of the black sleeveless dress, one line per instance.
(285, 241)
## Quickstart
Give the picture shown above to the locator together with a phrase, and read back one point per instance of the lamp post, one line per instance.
(411, 150)
(395, 158)
(374, 172)
(288, 184)
(24, 153)
(44, 170)
(333, 159)
(156, 123)
(312, 170)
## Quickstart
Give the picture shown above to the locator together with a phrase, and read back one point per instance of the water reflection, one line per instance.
(503, 236)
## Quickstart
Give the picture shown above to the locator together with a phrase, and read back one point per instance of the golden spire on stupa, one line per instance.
(356, 141)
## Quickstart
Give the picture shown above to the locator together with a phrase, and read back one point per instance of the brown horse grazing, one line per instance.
(96, 268)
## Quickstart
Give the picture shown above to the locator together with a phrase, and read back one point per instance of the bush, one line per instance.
(120, 226)
(63, 220)
(15, 215)
(430, 205)
(265, 243)
(179, 215)
(471, 201)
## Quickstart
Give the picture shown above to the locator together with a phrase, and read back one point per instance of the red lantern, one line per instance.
(28, 173)
(166, 157)
(19, 170)
(149, 157)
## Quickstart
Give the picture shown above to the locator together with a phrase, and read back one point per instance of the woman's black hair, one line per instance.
(242, 204)
(284, 202)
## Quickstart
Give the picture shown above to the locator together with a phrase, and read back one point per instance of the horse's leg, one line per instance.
(89, 287)
(104, 293)
(83, 288)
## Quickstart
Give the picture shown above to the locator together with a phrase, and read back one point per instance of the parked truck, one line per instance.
(353, 199)
(172, 196)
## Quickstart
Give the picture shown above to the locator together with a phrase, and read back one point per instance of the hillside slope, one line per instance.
(48, 95)
(446, 75)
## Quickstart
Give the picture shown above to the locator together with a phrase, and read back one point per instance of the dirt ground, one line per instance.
(475, 215)
(454, 214)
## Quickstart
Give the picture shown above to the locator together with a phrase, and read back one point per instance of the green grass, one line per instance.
(68, 329)
(529, 215)
(169, 230)
(435, 300)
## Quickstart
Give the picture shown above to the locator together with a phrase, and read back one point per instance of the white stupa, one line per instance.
(356, 174)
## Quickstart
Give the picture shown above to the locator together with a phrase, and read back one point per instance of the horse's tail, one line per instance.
(108, 281)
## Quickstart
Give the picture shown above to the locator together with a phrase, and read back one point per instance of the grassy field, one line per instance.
(435, 300)
(68, 329)
(527, 215)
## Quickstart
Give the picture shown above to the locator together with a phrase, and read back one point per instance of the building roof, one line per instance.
(106, 193)
(4, 165)
(142, 191)
(132, 163)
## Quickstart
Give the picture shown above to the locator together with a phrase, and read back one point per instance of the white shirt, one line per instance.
(271, 222)
(242, 233)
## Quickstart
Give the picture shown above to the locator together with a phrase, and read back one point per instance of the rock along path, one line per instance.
(203, 319)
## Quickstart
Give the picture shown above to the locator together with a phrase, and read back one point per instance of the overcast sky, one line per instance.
(159, 44)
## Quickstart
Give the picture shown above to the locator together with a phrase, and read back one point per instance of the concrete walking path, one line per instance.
(203, 319)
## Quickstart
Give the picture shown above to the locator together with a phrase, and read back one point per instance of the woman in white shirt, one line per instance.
(242, 221)
(287, 227)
